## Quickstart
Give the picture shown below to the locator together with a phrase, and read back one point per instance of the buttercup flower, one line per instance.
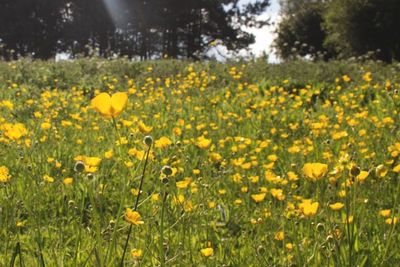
(110, 106)
(133, 217)
(315, 171)
(4, 176)
(308, 207)
(207, 252)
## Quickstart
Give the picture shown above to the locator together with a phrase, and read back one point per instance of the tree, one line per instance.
(133, 28)
(30, 27)
(358, 27)
(300, 32)
(187, 28)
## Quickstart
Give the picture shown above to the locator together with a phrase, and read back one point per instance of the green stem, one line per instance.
(122, 200)
(136, 205)
(349, 236)
(77, 243)
(162, 251)
(392, 223)
(21, 260)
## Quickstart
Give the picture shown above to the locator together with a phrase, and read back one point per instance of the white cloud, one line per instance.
(264, 36)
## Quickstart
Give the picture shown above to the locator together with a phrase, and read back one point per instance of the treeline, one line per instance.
(339, 29)
(132, 28)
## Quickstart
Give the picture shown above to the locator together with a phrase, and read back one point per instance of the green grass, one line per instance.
(264, 121)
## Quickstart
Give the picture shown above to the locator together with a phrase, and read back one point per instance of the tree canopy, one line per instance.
(324, 29)
(134, 28)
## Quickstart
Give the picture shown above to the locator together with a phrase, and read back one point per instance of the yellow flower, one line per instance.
(138, 154)
(128, 164)
(90, 169)
(215, 157)
(278, 194)
(292, 176)
(254, 179)
(155, 197)
(211, 204)
(177, 131)
(309, 208)
(110, 106)
(45, 125)
(381, 171)
(315, 171)
(203, 142)
(133, 217)
(8, 104)
(48, 178)
(20, 224)
(385, 213)
(238, 201)
(207, 252)
(196, 171)
(13, 131)
(92, 161)
(279, 236)
(108, 154)
(272, 157)
(362, 176)
(4, 175)
(397, 168)
(188, 206)
(258, 197)
(346, 78)
(289, 246)
(184, 184)
(135, 191)
(143, 128)
(336, 206)
(68, 181)
(395, 220)
(367, 77)
(136, 253)
(163, 142)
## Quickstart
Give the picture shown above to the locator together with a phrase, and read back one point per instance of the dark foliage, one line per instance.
(301, 32)
(323, 29)
(133, 28)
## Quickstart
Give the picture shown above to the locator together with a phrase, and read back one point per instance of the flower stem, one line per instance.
(162, 251)
(393, 224)
(136, 205)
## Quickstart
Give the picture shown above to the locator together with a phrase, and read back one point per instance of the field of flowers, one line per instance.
(197, 165)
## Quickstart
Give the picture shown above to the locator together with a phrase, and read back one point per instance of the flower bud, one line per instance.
(79, 166)
(148, 140)
(320, 227)
(90, 176)
(355, 171)
(165, 180)
(166, 170)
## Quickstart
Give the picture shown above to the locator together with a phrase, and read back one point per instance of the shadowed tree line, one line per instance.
(341, 29)
(134, 28)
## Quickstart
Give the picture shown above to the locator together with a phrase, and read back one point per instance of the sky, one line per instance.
(264, 36)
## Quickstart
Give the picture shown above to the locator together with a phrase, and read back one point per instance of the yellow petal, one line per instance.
(207, 252)
(118, 103)
(315, 171)
(362, 176)
(102, 104)
(308, 170)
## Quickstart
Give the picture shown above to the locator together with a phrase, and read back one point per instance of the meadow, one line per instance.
(169, 163)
